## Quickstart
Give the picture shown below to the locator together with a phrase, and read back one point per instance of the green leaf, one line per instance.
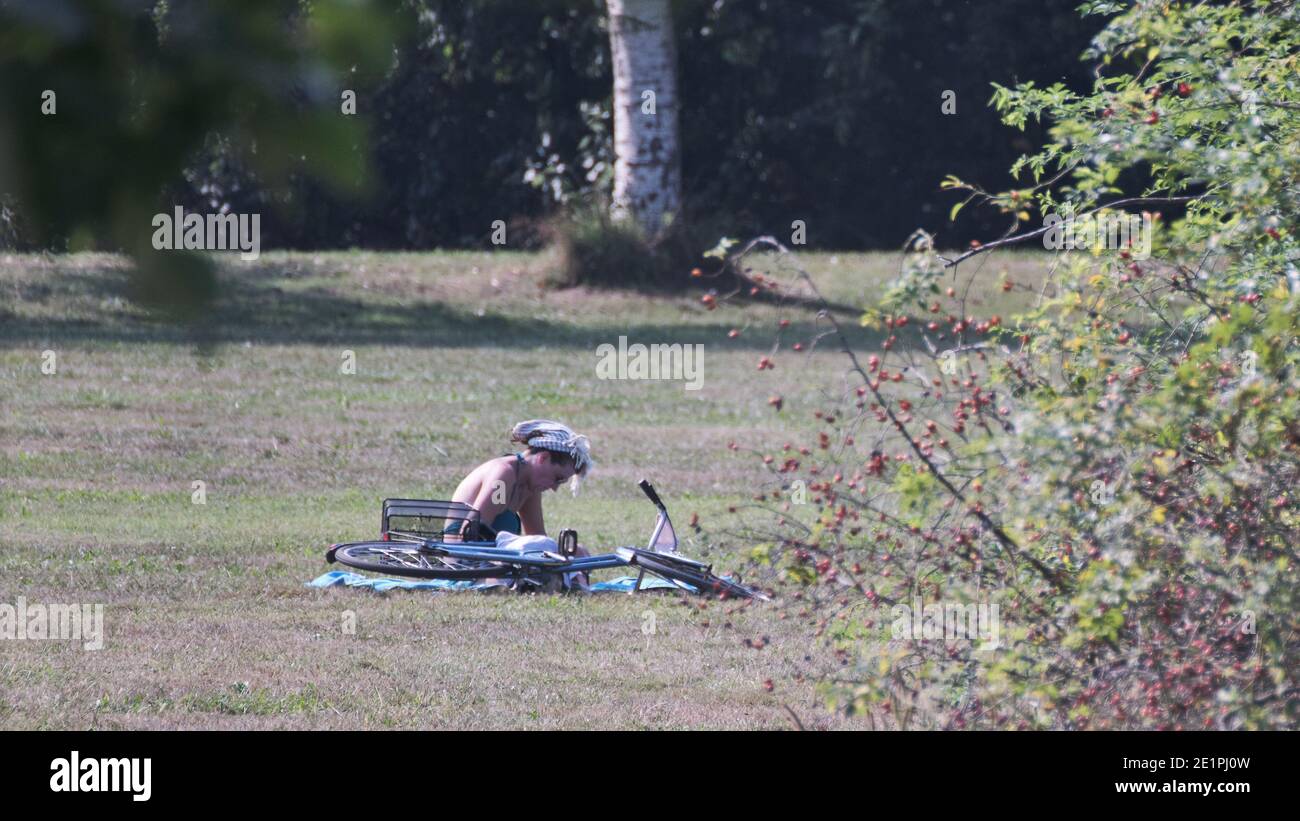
(719, 251)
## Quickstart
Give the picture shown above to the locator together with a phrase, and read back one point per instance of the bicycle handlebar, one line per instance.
(649, 491)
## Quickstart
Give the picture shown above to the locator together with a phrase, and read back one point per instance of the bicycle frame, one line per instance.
(536, 561)
(544, 561)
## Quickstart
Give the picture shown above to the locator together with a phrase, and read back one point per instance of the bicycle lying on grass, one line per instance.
(421, 550)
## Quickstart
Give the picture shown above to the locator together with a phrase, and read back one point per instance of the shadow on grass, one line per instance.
(253, 308)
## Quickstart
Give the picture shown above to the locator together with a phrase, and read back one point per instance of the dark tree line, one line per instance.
(828, 112)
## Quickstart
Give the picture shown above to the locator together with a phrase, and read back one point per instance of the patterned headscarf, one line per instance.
(552, 436)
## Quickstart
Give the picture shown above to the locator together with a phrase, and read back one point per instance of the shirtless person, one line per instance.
(507, 491)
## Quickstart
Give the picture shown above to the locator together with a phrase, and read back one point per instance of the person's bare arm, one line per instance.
(530, 515)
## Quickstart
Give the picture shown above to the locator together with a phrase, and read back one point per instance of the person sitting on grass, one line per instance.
(507, 491)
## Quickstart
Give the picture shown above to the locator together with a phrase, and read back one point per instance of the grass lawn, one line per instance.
(208, 624)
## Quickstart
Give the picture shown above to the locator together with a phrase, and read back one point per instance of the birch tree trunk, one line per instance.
(647, 163)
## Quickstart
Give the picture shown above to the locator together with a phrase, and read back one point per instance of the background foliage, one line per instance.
(499, 109)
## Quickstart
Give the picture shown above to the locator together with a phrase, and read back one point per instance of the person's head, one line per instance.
(550, 468)
(559, 454)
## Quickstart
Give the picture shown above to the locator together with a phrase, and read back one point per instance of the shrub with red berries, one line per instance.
(1115, 468)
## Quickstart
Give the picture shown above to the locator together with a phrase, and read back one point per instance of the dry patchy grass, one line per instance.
(208, 623)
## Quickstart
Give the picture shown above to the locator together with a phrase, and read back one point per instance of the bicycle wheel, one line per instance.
(697, 575)
(402, 559)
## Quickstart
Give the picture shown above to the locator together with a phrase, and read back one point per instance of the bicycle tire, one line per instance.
(403, 559)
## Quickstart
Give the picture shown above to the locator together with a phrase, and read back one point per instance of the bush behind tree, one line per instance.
(499, 109)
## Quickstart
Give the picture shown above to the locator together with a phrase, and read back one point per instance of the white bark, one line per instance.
(647, 164)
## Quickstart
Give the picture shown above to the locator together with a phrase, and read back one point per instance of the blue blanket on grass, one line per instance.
(342, 578)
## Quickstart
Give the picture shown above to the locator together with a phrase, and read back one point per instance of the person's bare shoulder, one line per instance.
(500, 467)
(485, 475)
(498, 470)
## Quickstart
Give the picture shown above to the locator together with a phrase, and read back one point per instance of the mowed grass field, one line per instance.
(208, 623)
